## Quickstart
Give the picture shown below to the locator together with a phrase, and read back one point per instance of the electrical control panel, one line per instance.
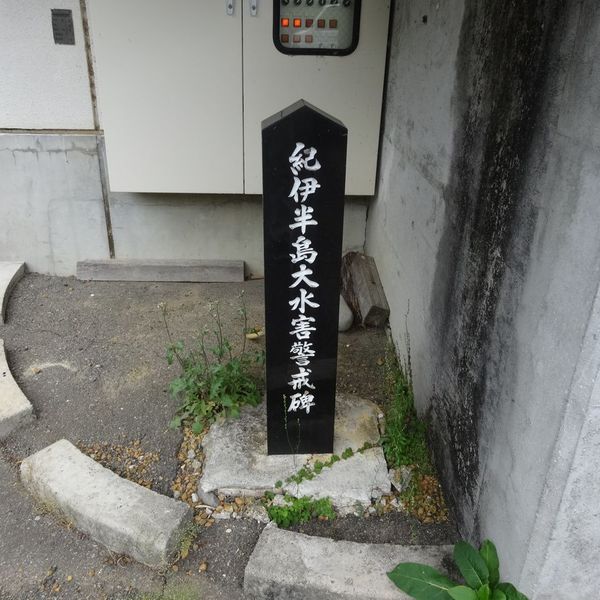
(183, 86)
(316, 26)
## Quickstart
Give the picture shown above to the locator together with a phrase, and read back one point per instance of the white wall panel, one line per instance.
(349, 88)
(42, 85)
(169, 84)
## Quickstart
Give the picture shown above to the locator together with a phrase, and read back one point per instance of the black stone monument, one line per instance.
(304, 170)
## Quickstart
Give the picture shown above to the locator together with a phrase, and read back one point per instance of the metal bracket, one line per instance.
(229, 6)
(253, 8)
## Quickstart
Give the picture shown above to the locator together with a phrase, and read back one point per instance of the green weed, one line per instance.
(215, 381)
(300, 510)
(405, 438)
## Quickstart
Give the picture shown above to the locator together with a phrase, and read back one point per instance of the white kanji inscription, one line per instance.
(302, 301)
(303, 218)
(301, 353)
(303, 188)
(302, 327)
(301, 379)
(304, 251)
(303, 158)
(301, 276)
(304, 401)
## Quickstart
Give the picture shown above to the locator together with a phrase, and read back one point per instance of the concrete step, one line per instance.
(10, 273)
(289, 566)
(210, 271)
(15, 409)
(123, 516)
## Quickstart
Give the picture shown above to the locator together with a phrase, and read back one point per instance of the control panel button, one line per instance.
(323, 26)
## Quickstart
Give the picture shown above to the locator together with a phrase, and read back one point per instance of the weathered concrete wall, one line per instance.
(201, 226)
(486, 225)
(53, 214)
(405, 222)
(43, 85)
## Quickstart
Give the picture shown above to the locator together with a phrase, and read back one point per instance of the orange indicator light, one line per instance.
(297, 23)
(285, 22)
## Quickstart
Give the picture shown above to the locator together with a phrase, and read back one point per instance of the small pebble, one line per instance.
(228, 531)
(195, 498)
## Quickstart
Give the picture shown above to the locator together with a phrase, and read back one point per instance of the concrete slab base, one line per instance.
(123, 516)
(292, 566)
(10, 274)
(236, 460)
(15, 409)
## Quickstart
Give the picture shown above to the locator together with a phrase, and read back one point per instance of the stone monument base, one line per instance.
(237, 464)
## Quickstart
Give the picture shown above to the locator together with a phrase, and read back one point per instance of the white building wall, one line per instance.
(42, 85)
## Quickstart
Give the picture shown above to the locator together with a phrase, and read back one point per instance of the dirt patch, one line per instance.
(91, 359)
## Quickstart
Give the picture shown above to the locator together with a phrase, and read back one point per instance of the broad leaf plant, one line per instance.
(480, 570)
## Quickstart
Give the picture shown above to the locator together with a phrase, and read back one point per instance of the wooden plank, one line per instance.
(207, 271)
(363, 291)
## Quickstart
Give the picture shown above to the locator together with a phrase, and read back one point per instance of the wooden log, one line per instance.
(362, 290)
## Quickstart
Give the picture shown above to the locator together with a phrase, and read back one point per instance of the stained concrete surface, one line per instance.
(485, 232)
(90, 357)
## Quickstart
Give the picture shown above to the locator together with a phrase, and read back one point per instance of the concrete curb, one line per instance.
(15, 409)
(293, 566)
(10, 274)
(121, 515)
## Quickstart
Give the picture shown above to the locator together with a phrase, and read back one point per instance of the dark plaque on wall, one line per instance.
(304, 171)
(62, 26)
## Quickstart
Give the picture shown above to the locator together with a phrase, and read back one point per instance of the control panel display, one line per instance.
(316, 26)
